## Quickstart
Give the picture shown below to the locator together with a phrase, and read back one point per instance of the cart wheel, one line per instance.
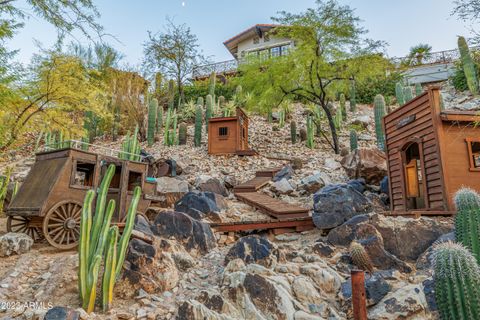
(61, 225)
(22, 225)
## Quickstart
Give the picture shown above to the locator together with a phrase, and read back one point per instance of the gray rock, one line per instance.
(197, 204)
(375, 287)
(282, 187)
(14, 243)
(209, 184)
(253, 249)
(62, 313)
(335, 204)
(170, 190)
(344, 234)
(369, 164)
(314, 182)
(285, 173)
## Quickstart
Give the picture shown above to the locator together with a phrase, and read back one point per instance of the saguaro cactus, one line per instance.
(457, 282)
(200, 101)
(310, 133)
(209, 110)
(182, 134)
(130, 147)
(379, 110)
(468, 66)
(171, 94)
(353, 96)
(343, 107)
(221, 102)
(159, 119)
(353, 140)
(198, 126)
(152, 120)
(211, 85)
(399, 94)
(467, 220)
(293, 132)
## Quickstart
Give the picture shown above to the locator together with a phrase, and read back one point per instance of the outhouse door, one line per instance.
(414, 180)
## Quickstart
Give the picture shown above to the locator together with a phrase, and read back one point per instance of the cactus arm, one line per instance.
(100, 208)
(102, 239)
(127, 231)
(108, 281)
(89, 304)
(84, 241)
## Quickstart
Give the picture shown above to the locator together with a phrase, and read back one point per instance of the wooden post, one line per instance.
(358, 295)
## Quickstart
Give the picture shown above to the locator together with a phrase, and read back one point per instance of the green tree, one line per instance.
(419, 53)
(330, 49)
(174, 52)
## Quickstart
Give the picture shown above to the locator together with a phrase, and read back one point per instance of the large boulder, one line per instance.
(209, 184)
(313, 183)
(198, 205)
(336, 203)
(196, 236)
(62, 313)
(425, 260)
(147, 267)
(253, 249)
(408, 238)
(369, 164)
(164, 168)
(14, 243)
(170, 190)
(346, 233)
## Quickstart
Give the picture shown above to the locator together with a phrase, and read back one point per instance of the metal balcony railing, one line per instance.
(440, 57)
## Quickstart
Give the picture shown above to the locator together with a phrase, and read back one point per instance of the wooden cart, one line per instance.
(49, 202)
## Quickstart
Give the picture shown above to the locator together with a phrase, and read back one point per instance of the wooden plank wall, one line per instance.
(422, 129)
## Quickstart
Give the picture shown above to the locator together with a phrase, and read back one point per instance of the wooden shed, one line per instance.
(431, 153)
(229, 135)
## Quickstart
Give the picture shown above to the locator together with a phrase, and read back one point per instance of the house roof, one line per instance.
(258, 29)
(460, 116)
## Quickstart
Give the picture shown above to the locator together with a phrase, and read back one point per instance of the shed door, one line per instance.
(413, 177)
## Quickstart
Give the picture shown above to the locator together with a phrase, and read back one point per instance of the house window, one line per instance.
(474, 153)
(83, 174)
(117, 176)
(275, 52)
(134, 180)
(284, 50)
(256, 40)
(223, 131)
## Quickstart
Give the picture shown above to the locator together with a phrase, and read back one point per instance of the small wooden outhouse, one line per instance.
(431, 153)
(229, 135)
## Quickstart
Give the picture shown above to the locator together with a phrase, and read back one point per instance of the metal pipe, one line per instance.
(358, 295)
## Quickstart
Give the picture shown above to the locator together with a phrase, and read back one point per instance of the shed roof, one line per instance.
(461, 116)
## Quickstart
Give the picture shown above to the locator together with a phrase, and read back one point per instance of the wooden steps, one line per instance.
(298, 224)
(269, 172)
(252, 185)
(273, 207)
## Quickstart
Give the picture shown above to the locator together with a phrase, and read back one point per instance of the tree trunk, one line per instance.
(333, 130)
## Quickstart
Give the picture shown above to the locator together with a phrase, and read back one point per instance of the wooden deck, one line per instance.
(273, 207)
(298, 224)
(252, 185)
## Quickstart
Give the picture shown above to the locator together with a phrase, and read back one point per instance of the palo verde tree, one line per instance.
(174, 52)
(330, 49)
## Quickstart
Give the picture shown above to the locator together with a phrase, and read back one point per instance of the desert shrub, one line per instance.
(368, 88)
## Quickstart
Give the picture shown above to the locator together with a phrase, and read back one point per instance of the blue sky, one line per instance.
(401, 23)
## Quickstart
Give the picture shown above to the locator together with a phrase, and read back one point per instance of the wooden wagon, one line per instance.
(49, 202)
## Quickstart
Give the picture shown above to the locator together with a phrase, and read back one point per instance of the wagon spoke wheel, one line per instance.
(23, 225)
(61, 225)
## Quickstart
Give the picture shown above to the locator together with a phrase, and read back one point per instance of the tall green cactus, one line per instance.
(418, 89)
(209, 110)
(281, 121)
(4, 181)
(211, 85)
(293, 132)
(457, 282)
(200, 101)
(399, 93)
(337, 119)
(198, 126)
(407, 93)
(379, 110)
(467, 220)
(159, 119)
(152, 121)
(353, 96)
(310, 133)
(182, 134)
(343, 106)
(468, 66)
(221, 102)
(98, 239)
(353, 140)
(131, 147)
(171, 94)
(170, 135)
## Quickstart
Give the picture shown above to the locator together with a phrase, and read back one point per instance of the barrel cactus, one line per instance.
(182, 134)
(303, 134)
(353, 140)
(467, 220)
(379, 110)
(457, 282)
(399, 94)
(360, 257)
(198, 126)
(293, 132)
(152, 121)
(468, 65)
